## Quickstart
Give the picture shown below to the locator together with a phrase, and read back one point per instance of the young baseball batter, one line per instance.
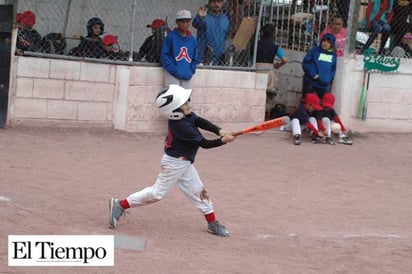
(181, 145)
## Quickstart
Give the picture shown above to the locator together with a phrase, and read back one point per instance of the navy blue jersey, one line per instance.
(184, 138)
(330, 113)
(302, 114)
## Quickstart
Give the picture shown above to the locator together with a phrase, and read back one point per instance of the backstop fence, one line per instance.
(132, 31)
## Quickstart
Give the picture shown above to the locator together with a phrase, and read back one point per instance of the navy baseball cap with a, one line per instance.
(313, 100)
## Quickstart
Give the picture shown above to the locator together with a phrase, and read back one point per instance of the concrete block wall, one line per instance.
(69, 93)
(289, 81)
(389, 97)
(50, 91)
(230, 99)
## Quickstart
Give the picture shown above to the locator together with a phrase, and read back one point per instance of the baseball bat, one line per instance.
(362, 96)
(274, 123)
(365, 103)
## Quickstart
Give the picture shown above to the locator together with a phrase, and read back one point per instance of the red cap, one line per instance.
(313, 100)
(157, 23)
(109, 39)
(27, 18)
(328, 100)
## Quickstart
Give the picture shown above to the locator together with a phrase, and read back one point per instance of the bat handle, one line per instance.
(237, 133)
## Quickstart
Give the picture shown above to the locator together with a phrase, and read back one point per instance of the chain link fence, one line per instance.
(133, 30)
(386, 27)
(299, 23)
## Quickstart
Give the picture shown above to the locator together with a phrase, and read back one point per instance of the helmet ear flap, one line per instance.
(177, 114)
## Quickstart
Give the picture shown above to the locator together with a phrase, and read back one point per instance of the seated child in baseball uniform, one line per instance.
(306, 114)
(181, 145)
(328, 115)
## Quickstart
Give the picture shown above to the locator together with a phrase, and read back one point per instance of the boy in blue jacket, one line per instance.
(178, 54)
(319, 66)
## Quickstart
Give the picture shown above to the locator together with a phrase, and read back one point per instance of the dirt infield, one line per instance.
(290, 209)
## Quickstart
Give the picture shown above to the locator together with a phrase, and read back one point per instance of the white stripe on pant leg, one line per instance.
(328, 125)
(296, 129)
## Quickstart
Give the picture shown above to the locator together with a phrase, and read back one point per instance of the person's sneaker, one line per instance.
(345, 140)
(296, 139)
(330, 141)
(115, 211)
(316, 138)
(217, 229)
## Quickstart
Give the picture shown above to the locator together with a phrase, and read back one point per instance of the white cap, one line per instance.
(183, 14)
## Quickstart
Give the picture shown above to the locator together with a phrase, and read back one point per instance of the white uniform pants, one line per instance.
(174, 171)
(328, 126)
(296, 128)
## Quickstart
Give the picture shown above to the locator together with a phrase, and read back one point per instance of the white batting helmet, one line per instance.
(170, 99)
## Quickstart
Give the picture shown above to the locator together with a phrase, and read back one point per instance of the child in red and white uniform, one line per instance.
(307, 114)
(329, 115)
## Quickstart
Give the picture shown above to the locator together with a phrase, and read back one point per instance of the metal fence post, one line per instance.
(354, 7)
(132, 31)
(257, 34)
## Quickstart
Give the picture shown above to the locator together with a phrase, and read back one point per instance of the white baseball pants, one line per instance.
(174, 171)
(328, 126)
(296, 128)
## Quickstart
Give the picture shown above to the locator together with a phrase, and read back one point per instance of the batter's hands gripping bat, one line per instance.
(274, 123)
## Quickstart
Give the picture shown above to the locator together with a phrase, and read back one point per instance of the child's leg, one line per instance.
(187, 84)
(272, 80)
(314, 122)
(191, 185)
(296, 129)
(172, 170)
(170, 79)
(328, 125)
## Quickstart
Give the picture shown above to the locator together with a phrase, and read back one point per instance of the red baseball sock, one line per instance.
(210, 218)
(124, 204)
